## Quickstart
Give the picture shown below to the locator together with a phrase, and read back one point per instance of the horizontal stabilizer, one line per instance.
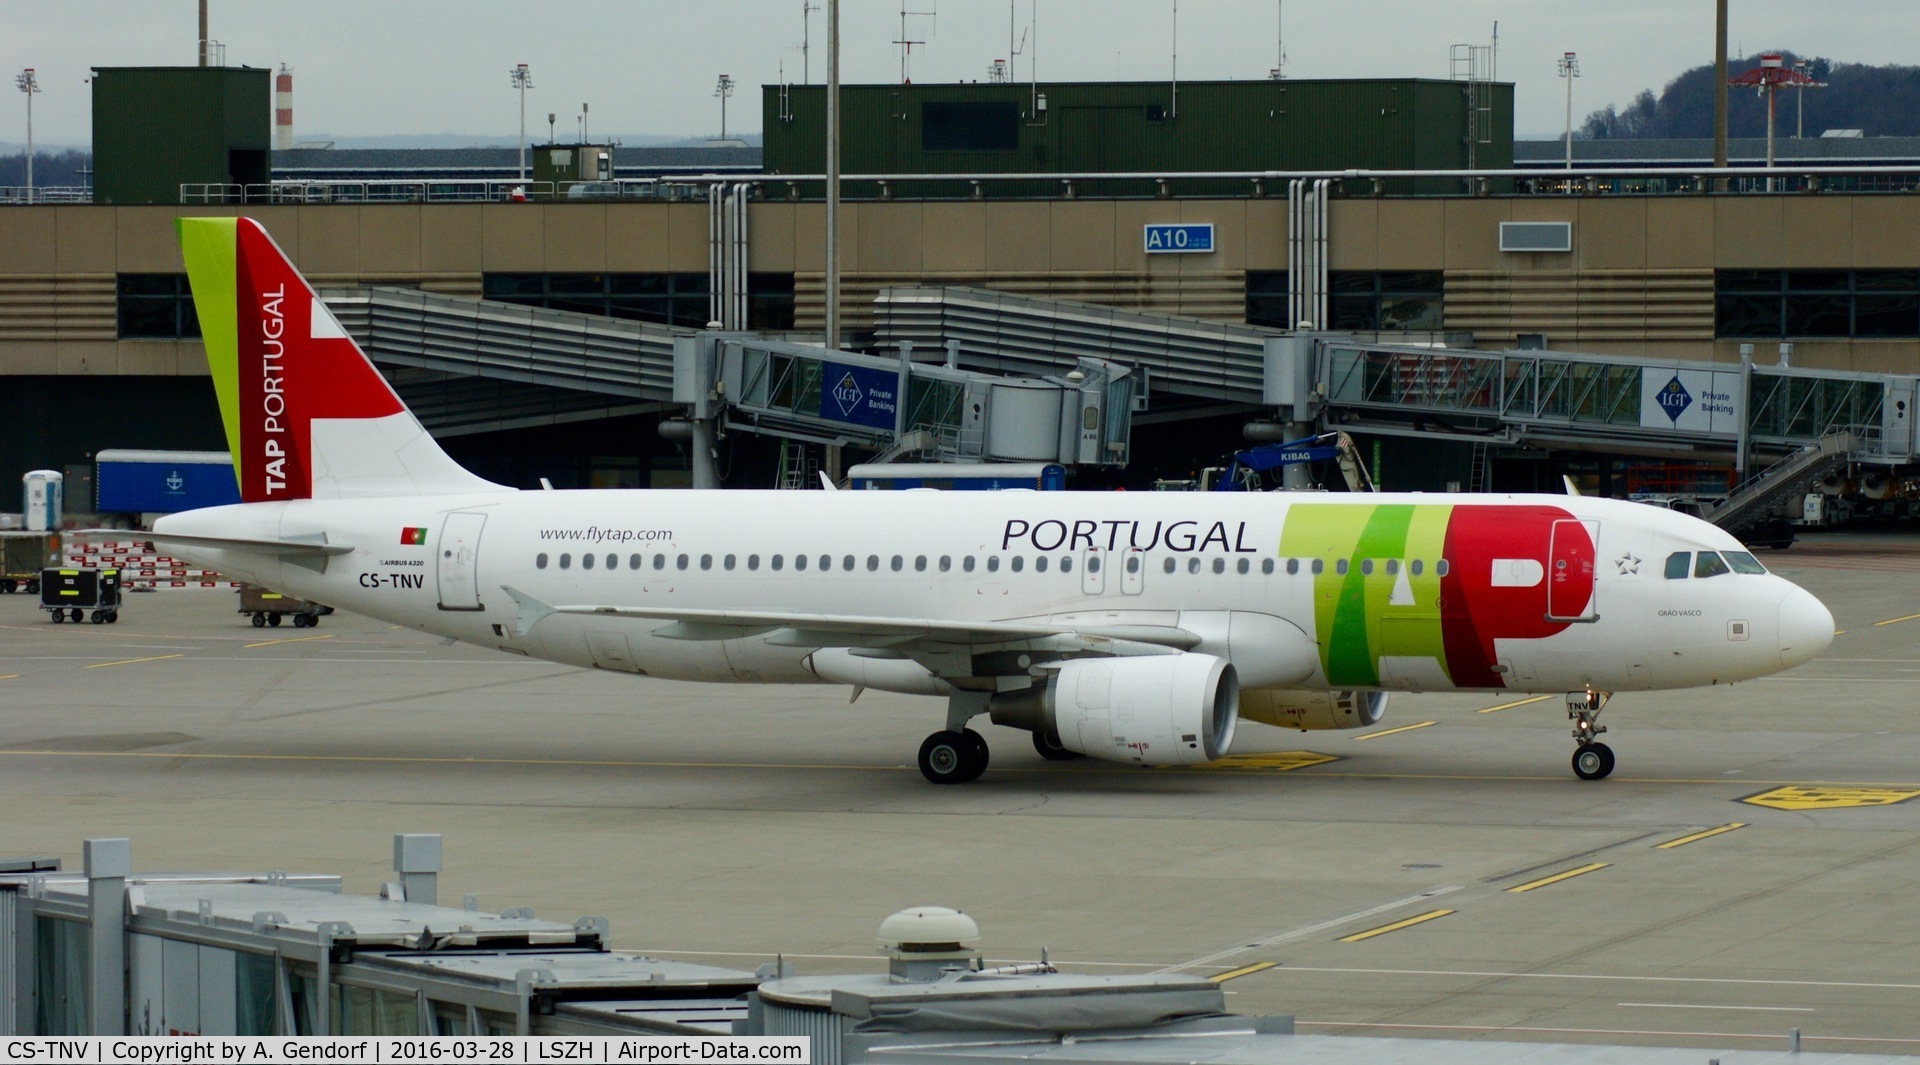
(291, 547)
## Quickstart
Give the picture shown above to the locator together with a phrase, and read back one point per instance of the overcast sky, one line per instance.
(377, 67)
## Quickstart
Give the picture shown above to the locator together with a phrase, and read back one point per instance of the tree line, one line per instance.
(1880, 101)
(64, 167)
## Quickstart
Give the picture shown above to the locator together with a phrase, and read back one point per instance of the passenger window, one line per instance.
(566, 561)
(946, 563)
(1193, 565)
(1244, 566)
(633, 561)
(895, 564)
(1266, 565)
(659, 562)
(706, 561)
(680, 563)
(1066, 564)
(777, 562)
(873, 563)
(1366, 567)
(1093, 563)
(1017, 563)
(993, 563)
(1318, 565)
(540, 560)
(1040, 564)
(800, 563)
(1219, 565)
(1742, 562)
(1340, 566)
(1171, 564)
(919, 563)
(753, 561)
(1133, 563)
(1293, 566)
(586, 561)
(1709, 564)
(1440, 568)
(613, 561)
(967, 564)
(1393, 566)
(727, 562)
(1678, 564)
(1414, 567)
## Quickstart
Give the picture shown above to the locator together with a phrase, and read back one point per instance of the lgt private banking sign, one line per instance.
(1175, 239)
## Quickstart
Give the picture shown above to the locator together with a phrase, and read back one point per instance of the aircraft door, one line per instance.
(1133, 571)
(1571, 558)
(458, 559)
(1093, 572)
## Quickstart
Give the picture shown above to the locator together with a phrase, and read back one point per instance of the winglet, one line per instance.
(826, 482)
(1572, 489)
(532, 611)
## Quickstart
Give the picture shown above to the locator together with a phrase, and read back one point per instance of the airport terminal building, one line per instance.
(1388, 216)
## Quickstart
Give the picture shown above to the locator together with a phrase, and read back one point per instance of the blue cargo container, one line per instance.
(163, 482)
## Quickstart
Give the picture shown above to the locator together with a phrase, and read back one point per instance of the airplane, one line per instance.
(1132, 627)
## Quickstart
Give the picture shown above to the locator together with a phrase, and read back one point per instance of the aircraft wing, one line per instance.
(843, 630)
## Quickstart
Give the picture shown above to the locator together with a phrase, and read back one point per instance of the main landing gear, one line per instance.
(1592, 760)
(953, 757)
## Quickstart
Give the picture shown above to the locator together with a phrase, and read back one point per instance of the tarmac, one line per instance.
(1753, 865)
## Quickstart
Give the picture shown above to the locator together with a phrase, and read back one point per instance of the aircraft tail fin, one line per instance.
(306, 413)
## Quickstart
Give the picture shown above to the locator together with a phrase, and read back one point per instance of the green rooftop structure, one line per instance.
(157, 128)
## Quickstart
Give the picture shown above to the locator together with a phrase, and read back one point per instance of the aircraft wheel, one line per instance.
(1047, 742)
(1593, 761)
(978, 756)
(274, 620)
(948, 758)
(259, 621)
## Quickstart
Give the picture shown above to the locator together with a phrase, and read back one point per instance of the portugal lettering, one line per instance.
(1056, 534)
(273, 401)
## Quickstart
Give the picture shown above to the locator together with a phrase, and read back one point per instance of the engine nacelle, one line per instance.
(1312, 710)
(1153, 710)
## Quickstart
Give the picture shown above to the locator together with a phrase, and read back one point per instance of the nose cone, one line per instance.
(1806, 628)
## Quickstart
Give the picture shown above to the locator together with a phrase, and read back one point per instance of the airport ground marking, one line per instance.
(1546, 881)
(1829, 797)
(1483, 974)
(9, 676)
(290, 639)
(1423, 918)
(1244, 970)
(1304, 932)
(1391, 731)
(132, 661)
(1509, 706)
(1274, 761)
(1698, 836)
(1774, 1036)
(1895, 621)
(1703, 1006)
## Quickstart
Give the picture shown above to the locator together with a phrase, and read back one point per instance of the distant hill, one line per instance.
(1881, 101)
(57, 167)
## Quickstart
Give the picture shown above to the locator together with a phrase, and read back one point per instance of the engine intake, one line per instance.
(1313, 710)
(1152, 710)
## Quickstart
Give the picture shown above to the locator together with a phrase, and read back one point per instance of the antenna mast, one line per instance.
(906, 44)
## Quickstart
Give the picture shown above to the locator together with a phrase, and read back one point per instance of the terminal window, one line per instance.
(1358, 300)
(1816, 303)
(988, 126)
(155, 307)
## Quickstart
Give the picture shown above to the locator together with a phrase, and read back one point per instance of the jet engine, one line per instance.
(1153, 710)
(1312, 710)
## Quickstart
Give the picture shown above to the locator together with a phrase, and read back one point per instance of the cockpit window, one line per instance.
(1677, 565)
(1709, 564)
(1742, 562)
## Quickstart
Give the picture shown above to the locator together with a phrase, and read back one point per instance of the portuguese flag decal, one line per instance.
(415, 536)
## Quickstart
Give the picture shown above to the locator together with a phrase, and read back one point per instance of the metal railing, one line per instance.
(45, 194)
(456, 190)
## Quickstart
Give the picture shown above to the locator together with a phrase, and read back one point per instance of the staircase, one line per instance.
(1755, 499)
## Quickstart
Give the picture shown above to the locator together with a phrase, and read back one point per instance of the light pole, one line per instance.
(522, 80)
(29, 85)
(723, 90)
(1800, 100)
(1569, 67)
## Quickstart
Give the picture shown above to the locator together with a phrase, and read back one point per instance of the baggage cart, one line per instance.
(267, 608)
(22, 556)
(77, 594)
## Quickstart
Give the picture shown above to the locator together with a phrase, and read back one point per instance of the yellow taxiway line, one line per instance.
(1391, 731)
(1244, 970)
(132, 661)
(290, 639)
(1557, 877)
(1891, 621)
(1430, 915)
(1698, 836)
(1509, 706)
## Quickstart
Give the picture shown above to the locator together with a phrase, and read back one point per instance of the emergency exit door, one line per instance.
(458, 560)
(1570, 568)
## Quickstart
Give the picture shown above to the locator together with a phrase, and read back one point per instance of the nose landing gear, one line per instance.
(1592, 760)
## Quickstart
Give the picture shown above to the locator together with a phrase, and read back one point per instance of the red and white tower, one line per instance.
(283, 110)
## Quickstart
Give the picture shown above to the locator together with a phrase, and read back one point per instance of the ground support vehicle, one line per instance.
(268, 608)
(70, 594)
(22, 556)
